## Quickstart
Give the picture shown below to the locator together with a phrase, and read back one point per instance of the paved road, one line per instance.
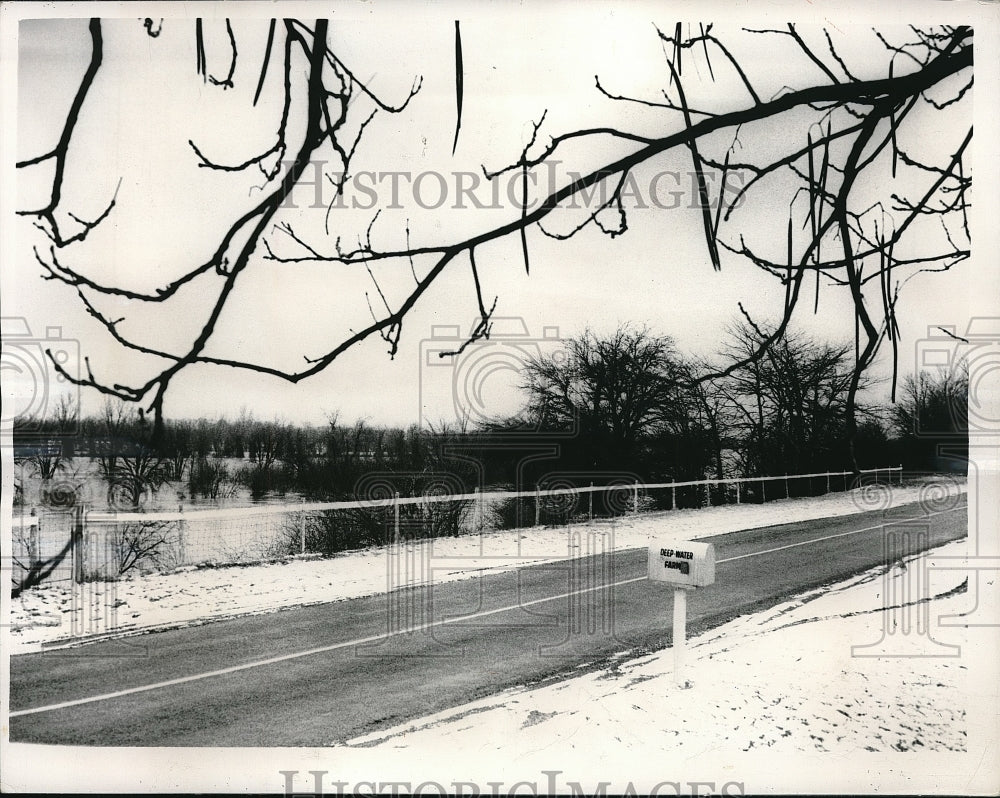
(301, 677)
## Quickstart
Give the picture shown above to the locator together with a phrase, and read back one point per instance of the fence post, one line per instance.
(635, 497)
(34, 537)
(708, 493)
(900, 473)
(77, 533)
(590, 511)
(180, 537)
(827, 481)
(395, 510)
(538, 505)
(737, 491)
(302, 528)
(786, 486)
(673, 497)
(763, 491)
(476, 512)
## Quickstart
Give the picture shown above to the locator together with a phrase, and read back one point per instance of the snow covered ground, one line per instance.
(58, 613)
(801, 676)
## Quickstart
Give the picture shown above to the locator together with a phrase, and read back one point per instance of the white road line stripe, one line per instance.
(374, 638)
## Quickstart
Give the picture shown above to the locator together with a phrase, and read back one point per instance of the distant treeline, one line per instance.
(600, 410)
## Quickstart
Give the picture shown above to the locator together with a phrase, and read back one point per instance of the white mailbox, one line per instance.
(682, 562)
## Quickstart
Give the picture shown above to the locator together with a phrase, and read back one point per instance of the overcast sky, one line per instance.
(149, 101)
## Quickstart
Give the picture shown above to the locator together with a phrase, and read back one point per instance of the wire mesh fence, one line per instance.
(86, 545)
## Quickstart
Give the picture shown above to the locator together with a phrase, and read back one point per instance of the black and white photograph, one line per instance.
(500, 398)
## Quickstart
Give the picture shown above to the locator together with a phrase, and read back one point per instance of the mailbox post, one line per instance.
(687, 565)
(680, 635)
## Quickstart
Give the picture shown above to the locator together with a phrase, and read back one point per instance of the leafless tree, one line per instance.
(141, 543)
(835, 148)
(788, 409)
(932, 416)
(52, 455)
(615, 390)
(710, 411)
(127, 462)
